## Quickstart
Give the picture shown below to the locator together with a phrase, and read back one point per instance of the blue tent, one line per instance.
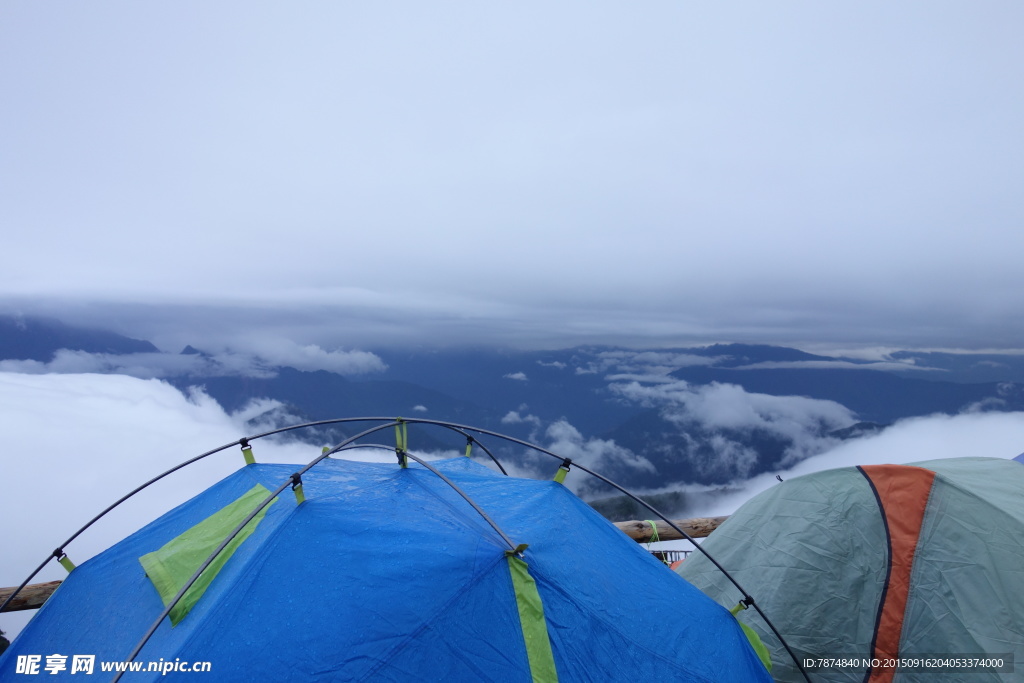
(385, 573)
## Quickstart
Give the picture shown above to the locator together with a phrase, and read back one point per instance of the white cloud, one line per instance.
(312, 357)
(652, 361)
(513, 417)
(420, 408)
(520, 376)
(991, 435)
(731, 456)
(642, 366)
(730, 406)
(645, 379)
(226, 362)
(800, 422)
(553, 364)
(141, 365)
(597, 454)
(632, 360)
(838, 365)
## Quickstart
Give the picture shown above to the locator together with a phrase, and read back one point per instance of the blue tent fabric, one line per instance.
(1020, 458)
(387, 574)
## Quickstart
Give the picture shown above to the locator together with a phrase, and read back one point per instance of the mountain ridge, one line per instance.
(707, 414)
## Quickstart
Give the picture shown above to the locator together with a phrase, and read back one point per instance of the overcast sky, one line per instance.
(534, 173)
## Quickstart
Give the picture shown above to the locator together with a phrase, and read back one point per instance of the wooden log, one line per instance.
(698, 527)
(31, 596)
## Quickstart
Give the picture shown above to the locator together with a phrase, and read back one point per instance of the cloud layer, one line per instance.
(271, 355)
(823, 172)
(989, 435)
(601, 455)
(724, 432)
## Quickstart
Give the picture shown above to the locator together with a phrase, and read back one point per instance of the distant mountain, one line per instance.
(321, 395)
(733, 355)
(650, 417)
(968, 367)
(40, 338)
(541, 383)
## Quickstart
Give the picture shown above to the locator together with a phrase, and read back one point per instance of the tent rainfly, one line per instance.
(869, 564)
(376, 572)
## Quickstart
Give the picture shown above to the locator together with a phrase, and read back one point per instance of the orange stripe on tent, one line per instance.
(902, 494)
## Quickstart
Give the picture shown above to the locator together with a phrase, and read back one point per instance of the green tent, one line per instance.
(865, 564)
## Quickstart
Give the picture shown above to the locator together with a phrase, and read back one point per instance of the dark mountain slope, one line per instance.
(39, 338)
(735, 355)
(324, 395)
(552, 389)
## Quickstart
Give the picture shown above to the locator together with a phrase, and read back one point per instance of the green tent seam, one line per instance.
(171, 566)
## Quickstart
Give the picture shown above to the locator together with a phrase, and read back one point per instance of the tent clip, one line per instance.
(517, 551)
(246, 451)
(563, 470)
(469, 445)
(742, 605)
(300, 497)
(64, 560)
(401, 442)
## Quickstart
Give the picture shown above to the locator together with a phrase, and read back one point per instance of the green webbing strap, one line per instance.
(531, 620)
(172, 565)
(300, 497)
(752, 637)
(66, 562)
(563, 470)
(469, 446)
(401, 441)
(655, 539)
(247, 452)
(324, 449)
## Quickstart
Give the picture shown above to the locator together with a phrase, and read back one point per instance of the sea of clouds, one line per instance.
(70, 444)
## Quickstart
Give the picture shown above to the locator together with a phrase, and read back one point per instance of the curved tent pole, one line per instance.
(512, 546)
(60, 549)
(748, 600)
(462, 429)
(471, 440)
(446, 480)
(294, 479)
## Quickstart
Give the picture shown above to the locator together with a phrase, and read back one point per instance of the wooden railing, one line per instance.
(697, 527)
